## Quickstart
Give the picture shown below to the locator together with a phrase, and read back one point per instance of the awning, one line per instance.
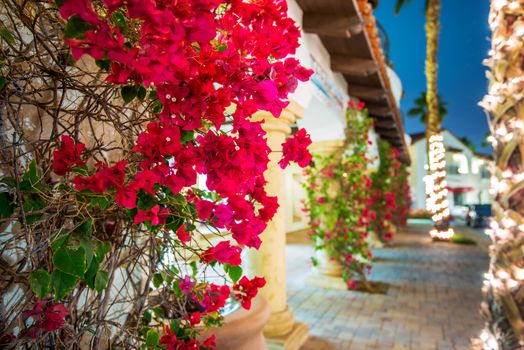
(348, 30)
(460, 189)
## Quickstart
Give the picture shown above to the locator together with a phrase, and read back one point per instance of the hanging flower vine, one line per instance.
(103, 141)
(338, 199)
(390, 193)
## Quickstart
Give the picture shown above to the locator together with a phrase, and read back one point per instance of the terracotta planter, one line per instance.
(242, 329)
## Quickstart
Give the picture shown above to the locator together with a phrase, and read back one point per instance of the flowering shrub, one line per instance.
(390, 193)
(107, 221)
(338, 197)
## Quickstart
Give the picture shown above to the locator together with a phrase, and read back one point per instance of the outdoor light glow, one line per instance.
(437, 187)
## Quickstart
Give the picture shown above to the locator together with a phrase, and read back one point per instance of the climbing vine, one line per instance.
(390, 193)
(338, 199)
(111, 113)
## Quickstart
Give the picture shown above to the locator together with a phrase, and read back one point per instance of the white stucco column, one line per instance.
(282, 331)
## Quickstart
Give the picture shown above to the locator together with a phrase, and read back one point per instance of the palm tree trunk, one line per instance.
(432, 34)
(503, 306)
(437, 191)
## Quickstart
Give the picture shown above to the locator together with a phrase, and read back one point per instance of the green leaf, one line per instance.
(70, 261)
(173, 223)
(62, 283)
(58, 242)
(33, 203)
(76, 28)
(101, 202)
(194, 268)
(3, 80)
(8, 181)
(187, 135)
(152, 338)
(128, 93)
(7, 36)
(119, 19)
(87, 244)
(234, 272)
(141, 92)
(102, 248)
(157, 280)
(86, 227)
(222, 48)
(101, 280)
(104, 64)
(7, 206)
(90, 274)
(40, 283)
(33, 174)
(156, 106)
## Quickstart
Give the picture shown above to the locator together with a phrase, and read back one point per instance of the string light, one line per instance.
(437, 188)
(505, 89)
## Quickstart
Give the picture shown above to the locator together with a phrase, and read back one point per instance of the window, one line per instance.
(458, 198)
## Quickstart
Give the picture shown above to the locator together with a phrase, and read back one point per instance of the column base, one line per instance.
(292, 340)
(319, 279)
(279, 323)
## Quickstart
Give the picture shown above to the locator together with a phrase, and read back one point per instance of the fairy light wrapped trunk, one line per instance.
(503, 288)
(436, 186)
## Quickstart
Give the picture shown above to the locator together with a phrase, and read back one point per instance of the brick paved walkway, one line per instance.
(432, 302)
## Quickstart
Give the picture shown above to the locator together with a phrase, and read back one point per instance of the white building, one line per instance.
(342, 44)
(467, 172)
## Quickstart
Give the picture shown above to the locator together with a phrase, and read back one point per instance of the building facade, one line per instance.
(468, 173)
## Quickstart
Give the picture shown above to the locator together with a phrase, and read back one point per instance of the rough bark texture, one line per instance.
(433, 121)
(503, 307)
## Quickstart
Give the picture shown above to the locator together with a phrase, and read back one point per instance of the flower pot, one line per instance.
(242, 329)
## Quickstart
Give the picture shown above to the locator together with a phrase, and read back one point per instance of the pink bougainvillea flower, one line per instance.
(295, 149)
(204, 208)
(67, 156)
(209, 343)
(194, 318)
(214, 297)
(46, 316)
(211, 57)
(183, 235)
(155, 215)
(265, 98)
(223, 252)
(126, 197)
(145, 180)
(170, 340)
(105, 178)
(247, 289)
(186, 285)
(356, 104)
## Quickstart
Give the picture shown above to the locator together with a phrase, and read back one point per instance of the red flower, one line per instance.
(169, 339)
(204, 208)
(155, 215)
(223, 252)
(46, 316)
(103, 179)
(295, 149)
(247, 289)
(67, 156)
(126, 197)
(214, 297)
(356, 104)
(186, 285)
(183, 235)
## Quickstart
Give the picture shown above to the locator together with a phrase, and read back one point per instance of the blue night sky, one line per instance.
(464, 43)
